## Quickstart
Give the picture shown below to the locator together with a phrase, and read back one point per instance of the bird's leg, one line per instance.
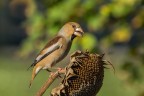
(60, 70)
(51, 73)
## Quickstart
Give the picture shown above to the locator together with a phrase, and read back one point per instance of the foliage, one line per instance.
(116, 19)
(107, 23)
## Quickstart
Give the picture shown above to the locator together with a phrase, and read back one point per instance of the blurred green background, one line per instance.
(113, 27)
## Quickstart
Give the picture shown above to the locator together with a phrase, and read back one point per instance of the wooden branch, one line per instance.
(49, 82)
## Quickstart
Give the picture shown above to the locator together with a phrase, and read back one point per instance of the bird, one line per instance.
(56, 49)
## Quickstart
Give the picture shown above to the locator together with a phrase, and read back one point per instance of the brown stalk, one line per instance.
(50, 80)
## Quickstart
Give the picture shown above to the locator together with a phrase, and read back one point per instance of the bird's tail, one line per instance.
(36, 69)
(30, 83)
(33, 76)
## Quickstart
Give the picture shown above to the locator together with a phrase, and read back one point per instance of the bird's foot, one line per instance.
(59, 70)
(53, 73)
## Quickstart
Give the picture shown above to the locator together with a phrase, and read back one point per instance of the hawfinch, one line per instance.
(57, 48)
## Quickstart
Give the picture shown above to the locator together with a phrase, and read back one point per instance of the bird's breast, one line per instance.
(63, 51)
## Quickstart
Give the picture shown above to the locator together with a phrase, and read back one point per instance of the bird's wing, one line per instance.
(53, 45)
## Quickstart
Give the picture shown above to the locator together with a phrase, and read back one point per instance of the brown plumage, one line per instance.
(57, 48)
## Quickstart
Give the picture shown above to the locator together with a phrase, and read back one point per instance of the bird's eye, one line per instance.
(73, 26)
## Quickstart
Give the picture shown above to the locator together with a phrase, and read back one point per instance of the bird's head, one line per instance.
(71, 30)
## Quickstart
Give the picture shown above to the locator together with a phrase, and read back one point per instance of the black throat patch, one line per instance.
(73, 36)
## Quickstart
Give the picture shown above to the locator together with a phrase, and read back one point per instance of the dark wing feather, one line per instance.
(50, 47)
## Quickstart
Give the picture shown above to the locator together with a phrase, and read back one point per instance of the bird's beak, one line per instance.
(78, 32)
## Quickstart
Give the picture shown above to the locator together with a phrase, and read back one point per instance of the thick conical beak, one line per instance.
(78, 32)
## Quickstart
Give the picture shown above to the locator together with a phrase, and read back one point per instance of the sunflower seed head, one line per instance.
(84, 75)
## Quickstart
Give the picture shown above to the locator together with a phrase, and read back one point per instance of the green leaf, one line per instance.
(88, 41)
